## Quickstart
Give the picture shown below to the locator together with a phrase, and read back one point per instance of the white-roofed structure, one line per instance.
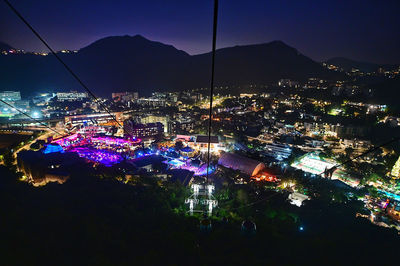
(243, 164)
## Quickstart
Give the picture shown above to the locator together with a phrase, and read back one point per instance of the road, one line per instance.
(44, 136)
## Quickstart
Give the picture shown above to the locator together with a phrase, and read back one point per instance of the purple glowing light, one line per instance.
(104, 150)
(198, 171)
(104, 157)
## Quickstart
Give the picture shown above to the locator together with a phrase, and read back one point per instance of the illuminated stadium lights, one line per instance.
(313, 164)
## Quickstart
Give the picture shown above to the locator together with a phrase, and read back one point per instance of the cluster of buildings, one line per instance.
(261, 136)
(14, 99)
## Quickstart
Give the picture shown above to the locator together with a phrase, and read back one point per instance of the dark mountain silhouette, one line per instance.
(5, 47)
(134, 63)
(347, 64)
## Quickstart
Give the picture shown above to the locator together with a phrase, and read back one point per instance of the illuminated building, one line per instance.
(278, 151)
(265, 176)
(150, 130)
(243, 164)
(154, 102)
(184, 125)
(92, 119)
(249, 95)
(297, 198)
(163, 119)
(71, 96)
(125, 96)
(395, 173)
(288, 83)
(394, 212)
(10, 96)
(201, 144)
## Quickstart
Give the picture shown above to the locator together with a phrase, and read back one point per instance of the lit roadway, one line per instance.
(44, 136)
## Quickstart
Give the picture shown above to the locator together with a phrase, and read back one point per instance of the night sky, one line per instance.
(366, 30)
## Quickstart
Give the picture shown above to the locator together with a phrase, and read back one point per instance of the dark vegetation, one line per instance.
(92, 221)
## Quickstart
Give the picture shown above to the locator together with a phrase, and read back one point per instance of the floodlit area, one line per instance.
(109, 150)
(100, 149)
(314, 164)
(198, 168)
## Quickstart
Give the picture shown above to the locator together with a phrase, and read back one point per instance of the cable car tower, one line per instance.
(202, 200)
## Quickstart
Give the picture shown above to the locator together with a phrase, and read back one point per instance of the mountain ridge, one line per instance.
(5, 47)
(134, 63)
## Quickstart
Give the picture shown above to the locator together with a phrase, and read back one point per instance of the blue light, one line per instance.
(301, 228)
(52, 148)
(36, 114)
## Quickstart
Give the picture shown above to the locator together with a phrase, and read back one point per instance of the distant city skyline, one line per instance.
(359, 30)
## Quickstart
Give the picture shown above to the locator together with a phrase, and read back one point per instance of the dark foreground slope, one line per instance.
(89, 221)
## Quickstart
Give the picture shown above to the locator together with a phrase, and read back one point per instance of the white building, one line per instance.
(297, 198)
(71, 96)
(278, 151)
(10, 96)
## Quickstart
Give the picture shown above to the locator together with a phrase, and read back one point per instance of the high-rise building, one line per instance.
(180, 127)
(163, 119)
(10, 96)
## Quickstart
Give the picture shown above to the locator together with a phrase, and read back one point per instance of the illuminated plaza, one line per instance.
(314, 164)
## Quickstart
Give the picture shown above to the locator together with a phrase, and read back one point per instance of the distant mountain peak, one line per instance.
(278, 42)
(128, 42)
(136, 63)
